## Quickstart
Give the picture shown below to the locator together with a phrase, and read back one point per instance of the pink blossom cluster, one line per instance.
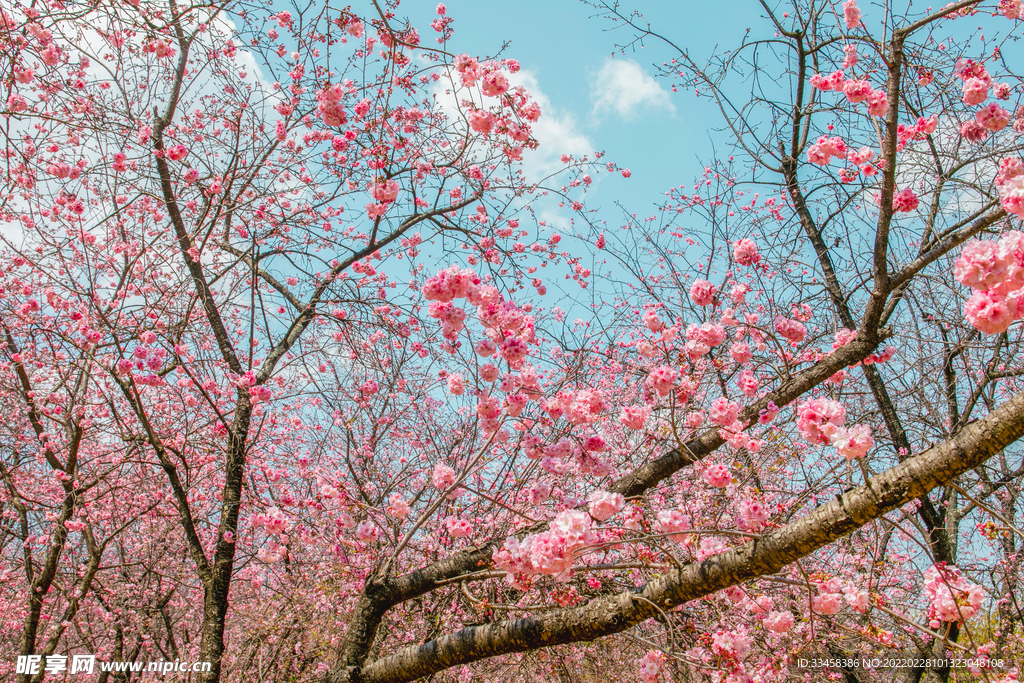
(650, 666)
(367, 531)
(994, 269)
(634, 417)
(732, 645)
(753, 515)
(905, 201)
(856, 91)
(1010, 181)
(851, 14)
(791, 330)
(604, 504)
(443, 476)
(1012, 9)
(578, 407)
(717, 475)
(548, 553)
(449, 284)
(745, 252)
(951, 596)
(853, 442)
(672, 522)
(662, 379)
(976, 82)
(818, 419)
(919, 131)
(779, 622)
(329, 106)
(458, 527)
(703, 292)
(702, 338)
(822, 151)
(274, 521)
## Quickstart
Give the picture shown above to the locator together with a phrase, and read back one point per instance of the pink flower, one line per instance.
(443, 476)
(702, 292)
(634, 417)
(1011, 195)
(662, 379)
(993, 117)
(1012, 9)
(747, 383)
(861, 156)
(989, 312)
(818, 418)
(741, 352)
(986, 264)
(827, 603)
(854, 442)
(878, 103)
(976, 90)
(488, 408)
(481, 121)
(717, 476)
(367, 531)
(456, 385)
(385, 192)
(626, 173)
(951, 597)
(724, 412)
(709, 547)
(650, 666)
(857, 600)
(745, 253)
(834, 81)
(857, 91)
(458, 528)
(489, 372)
(708, 334)
(851, 14)
(16, 103)
(779, 622)
(398, 506)
(495, 83)
(792, 330)
(824, 148)
(972, 131)
(177, 152)
(515, 404)
(274, 521)
(652, 321)
(604, 504)
(753, 515)
(905, 201)
(672, 522)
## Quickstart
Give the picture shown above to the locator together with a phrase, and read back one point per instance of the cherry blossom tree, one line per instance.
(289, 393)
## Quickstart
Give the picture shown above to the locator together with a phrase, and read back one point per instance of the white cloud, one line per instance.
(623, 86)
(556, 131)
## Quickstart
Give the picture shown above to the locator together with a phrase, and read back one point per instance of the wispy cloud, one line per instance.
(557, 132)
(623, 87)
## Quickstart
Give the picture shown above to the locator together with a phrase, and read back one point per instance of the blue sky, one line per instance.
(595, 101)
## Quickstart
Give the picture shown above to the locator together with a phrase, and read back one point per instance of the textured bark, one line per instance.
(889, 490)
